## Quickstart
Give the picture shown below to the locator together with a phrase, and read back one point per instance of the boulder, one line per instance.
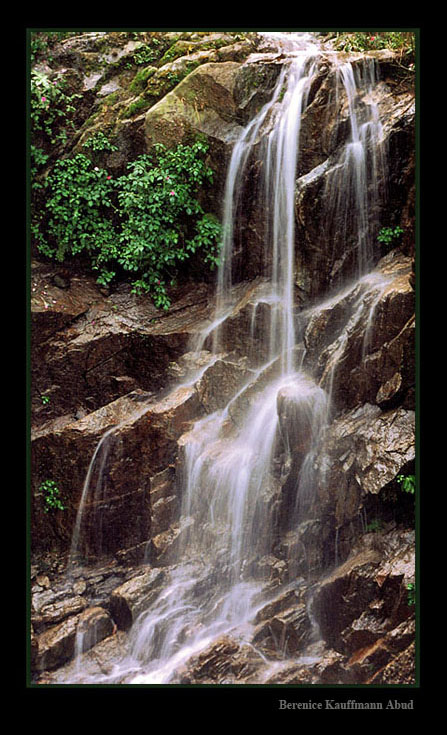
(202, 102)
(134, 596)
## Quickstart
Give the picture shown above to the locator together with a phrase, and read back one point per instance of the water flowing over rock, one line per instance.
(230, 472)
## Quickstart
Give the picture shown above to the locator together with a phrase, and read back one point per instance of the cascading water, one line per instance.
(229, 495)
(352, 186)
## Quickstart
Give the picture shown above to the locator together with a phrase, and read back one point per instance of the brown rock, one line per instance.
(94, 625)
(56, 645)
(57, 610)
(134, 596)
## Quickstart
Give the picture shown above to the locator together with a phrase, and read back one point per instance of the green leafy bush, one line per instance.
(389, 234)
(51, 108)
(78, 208)
(99, 142)
(146, 222)
(51, 496)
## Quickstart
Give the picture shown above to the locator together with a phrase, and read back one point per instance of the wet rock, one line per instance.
(54, 306)
(366, 598)
(211, 665)
(56, 611)
(272, 569)
(103, 353)
(358, 340)
(133, 555)
(56, 645)
(285, 633)
(278, 604)
(300, 404)
(134, 596)
(307, 548)
(95, 662)
(221, 382)
(368, 447)
(43, 581)
(166, 545)
(124, 496)
(94, 624)
(400, 670)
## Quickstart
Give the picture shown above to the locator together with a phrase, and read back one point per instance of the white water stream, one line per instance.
(227, 497)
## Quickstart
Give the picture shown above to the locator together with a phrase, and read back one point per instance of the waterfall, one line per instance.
(354, 186)
(230, 492)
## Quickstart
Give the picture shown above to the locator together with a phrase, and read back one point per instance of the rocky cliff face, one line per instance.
(107, 365)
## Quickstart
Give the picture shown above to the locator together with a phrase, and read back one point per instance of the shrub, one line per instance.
(146, 222)
(51, 108)
(78, 207)
(99, 142)
(389, 234)
(163, 224)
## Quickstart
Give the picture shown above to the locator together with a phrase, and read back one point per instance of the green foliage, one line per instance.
(38, 45)
(411, 594)
(146, 222)
(389, 234)
(45, 399)
(139, 81)
(403, 42)
(99, 142)
(144, 54)
(138, 106)
(51, 496)
(162, 221)
(407, 482)
(42, 41)
(77, 212)
(52, 109)
(374, 526)
(38, 160)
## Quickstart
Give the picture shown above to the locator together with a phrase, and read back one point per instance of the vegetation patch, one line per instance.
(144, 223)
(401, 42)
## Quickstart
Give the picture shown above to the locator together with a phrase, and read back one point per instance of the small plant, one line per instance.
(411, 594)
(374, 526)
(144, 54)
(51, 496)
(407, 482)
(99, 142)
(45, 399)
(389, 234)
